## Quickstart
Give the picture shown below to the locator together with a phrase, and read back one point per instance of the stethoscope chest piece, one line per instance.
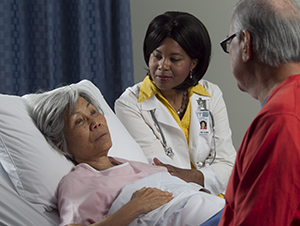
(169, 152)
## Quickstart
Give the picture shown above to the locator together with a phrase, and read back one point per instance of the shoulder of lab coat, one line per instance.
(138, 120)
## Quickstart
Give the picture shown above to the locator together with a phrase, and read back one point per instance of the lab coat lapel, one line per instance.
(194, 124)
(162, 114)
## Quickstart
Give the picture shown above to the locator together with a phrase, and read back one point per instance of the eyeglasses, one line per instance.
(226, 42)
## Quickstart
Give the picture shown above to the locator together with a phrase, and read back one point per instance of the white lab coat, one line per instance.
(137, 118)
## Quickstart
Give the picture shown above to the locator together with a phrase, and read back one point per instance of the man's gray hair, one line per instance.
(274, 27)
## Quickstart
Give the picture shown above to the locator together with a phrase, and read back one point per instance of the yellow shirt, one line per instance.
(148, 89)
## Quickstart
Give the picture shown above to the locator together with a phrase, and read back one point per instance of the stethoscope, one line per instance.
(168, 150)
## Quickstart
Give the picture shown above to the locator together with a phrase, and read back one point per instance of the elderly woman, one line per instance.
(105, 191)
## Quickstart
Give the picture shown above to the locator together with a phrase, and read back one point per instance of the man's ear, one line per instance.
(246, 46)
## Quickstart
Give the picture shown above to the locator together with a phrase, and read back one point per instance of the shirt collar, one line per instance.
(262, 104)
(149, 89)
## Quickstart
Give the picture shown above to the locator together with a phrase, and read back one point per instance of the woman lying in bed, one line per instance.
(102, 190)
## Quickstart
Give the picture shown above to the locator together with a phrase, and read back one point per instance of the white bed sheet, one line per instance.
(188, 207)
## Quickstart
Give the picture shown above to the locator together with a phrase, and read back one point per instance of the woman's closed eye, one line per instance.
(157, 56)
(175, 59)
(78, 121)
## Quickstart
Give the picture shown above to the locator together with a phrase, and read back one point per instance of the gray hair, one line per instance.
(48, 113)
(274, 27)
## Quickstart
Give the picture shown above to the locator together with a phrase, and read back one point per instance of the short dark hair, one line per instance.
(189, 32)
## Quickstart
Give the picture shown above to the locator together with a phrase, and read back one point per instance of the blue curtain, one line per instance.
(48, 43)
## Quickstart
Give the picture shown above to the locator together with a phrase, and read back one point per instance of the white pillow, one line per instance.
(31, 164)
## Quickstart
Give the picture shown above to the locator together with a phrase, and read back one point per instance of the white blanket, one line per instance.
(188, 207)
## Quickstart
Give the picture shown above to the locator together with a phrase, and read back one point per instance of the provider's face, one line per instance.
(169, 65)
(86, 132)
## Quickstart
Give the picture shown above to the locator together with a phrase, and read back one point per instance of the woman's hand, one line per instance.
(149, 199)
(187, 175)
(142, 201)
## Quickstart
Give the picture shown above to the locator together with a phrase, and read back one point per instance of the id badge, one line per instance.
(203, 118)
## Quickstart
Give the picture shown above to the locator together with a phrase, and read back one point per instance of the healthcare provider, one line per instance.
(164, 113)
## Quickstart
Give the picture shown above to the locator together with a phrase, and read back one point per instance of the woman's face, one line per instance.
(202, 125)
(86, 132)
(169, 65)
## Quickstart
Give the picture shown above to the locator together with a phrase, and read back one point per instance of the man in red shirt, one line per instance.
(264, 49)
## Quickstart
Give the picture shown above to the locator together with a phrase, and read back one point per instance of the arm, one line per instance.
(187, 175)
(142, 202)
(264, 188)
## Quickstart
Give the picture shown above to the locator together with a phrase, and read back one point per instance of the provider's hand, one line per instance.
(150, 198)
(187, 175)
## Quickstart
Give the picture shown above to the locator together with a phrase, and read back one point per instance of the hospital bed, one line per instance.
(30, 169)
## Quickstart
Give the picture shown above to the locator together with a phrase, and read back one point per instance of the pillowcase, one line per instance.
(33, 166)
